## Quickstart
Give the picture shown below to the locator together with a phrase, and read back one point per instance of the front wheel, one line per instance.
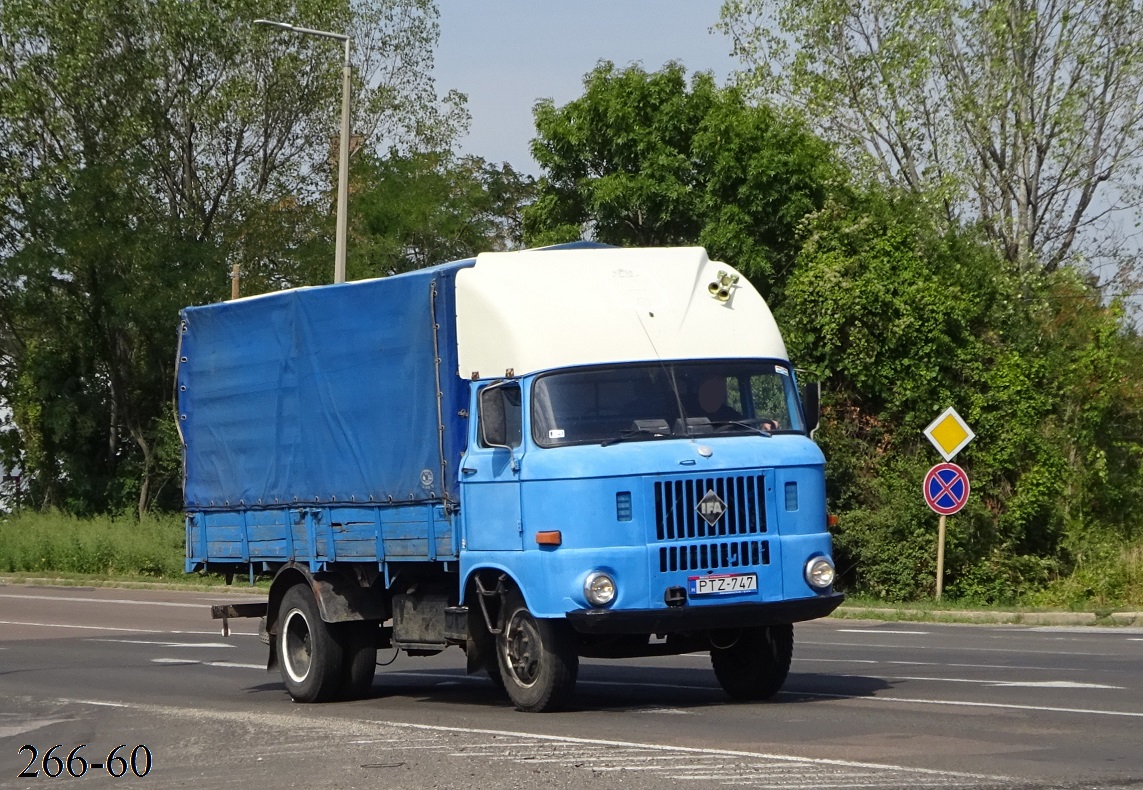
(310, 656)
(753, 664)
(537, 658)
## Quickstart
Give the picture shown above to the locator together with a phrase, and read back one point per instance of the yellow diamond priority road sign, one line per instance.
(949, 433)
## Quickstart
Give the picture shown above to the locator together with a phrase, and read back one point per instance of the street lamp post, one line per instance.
(343, 148)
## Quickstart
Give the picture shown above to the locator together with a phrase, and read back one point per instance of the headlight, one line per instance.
(599, 588)
(819, 573)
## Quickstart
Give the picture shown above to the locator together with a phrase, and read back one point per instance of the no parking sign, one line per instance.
(946, 488)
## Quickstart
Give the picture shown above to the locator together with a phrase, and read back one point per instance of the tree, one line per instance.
(1024, 115)
(144, 147)
(643, 159)
(421, 209)
(902, 317)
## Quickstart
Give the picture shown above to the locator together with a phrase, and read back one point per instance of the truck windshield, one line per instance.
(664, 400)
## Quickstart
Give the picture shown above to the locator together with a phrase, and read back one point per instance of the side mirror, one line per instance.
(493, 427)
(500, 417)
(811, 405)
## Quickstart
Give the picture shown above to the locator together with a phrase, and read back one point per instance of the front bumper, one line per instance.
(702, 618)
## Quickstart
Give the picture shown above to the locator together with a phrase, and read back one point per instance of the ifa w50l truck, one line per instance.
(536, 456)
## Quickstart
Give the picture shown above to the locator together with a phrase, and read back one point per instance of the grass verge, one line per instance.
(48, 543)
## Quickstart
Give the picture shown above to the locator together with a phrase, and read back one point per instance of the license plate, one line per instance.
(724, 584)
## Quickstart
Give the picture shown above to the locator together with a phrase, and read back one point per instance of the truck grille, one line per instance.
(713, 556)
(676, 507)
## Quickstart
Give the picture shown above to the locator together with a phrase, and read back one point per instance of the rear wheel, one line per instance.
(359, 657)
(753, 665)
(310, 656)
(537, 658)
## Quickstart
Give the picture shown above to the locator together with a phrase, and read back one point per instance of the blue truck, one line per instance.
(537, 456)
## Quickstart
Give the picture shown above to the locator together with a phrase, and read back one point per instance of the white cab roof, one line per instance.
(537, 310)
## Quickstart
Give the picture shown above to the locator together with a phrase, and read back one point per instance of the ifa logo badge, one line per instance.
(711, 508)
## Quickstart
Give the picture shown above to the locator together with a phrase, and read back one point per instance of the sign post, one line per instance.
(946, 485)
(946, 490)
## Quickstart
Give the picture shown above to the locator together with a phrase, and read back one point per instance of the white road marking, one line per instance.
(88, 627)
(1053, 684)
(877, 631)
(985, 666)
(163, 644)
(189, 661)
(965, 704)
(99, 702)
(654, 747)
(235, 665)
(957, 649)
(939, 664)
(125, 601)
(1045, 684)
(480, 679)
(27, 725)
(723, 766)
(1081, 629)
(960, 703)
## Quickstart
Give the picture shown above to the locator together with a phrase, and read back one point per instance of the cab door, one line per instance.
(490, 471)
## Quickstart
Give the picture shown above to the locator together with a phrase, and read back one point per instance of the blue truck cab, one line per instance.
(536, 456)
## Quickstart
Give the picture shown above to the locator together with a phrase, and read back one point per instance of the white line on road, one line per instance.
(1032, 684)
(581, 682)
(986, 666)
(126, 601)
(877, 631)
(937, 664)
(162, 644)
(965, 704)
(676, 749)
(189, 661)
(758, 768)
(98, 702)
(958, 648)
(88, 627)
(831, 696)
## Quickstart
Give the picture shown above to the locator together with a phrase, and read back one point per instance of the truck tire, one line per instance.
(492, 669)
(538, 661)
(359, 658)
(310, 656)
(754, 666)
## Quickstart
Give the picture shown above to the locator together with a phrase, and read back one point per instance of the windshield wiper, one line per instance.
(744, 424)
(649, 428)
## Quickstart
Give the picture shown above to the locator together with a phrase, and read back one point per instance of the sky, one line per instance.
(507, 54)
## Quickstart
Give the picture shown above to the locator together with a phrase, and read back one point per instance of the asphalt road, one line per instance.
(867, 704)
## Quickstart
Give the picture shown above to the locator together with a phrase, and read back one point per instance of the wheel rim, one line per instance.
(522, 648)
(297, 652)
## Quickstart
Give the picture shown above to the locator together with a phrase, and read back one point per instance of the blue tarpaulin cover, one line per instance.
(322, 395)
